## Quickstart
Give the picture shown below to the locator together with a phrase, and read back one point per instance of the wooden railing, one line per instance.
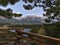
(28, 38)
(37, 39)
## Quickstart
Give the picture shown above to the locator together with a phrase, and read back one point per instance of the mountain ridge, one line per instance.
(25, 20)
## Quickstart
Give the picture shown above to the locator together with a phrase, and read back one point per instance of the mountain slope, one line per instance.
(26, 20)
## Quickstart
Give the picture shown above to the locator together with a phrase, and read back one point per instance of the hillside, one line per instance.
(26, 20)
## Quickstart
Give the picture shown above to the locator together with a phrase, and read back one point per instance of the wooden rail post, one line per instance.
(18, 39)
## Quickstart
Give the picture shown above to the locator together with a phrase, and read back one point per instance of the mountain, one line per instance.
(28, 20)
(3, 20)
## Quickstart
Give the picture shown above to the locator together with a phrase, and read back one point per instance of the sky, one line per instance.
(18, 8)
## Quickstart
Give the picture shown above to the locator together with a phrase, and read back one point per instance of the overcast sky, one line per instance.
(18, 7)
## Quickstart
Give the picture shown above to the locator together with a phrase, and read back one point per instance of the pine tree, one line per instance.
(8, 13)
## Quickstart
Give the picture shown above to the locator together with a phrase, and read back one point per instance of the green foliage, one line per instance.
(47, 20)
(30, 1)
(8, 13)
(53, 30)
(32, 44)
(35, 28)
(6, 2)
(28, 7)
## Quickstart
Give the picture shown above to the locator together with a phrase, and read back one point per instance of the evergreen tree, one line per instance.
(6, 2)
(8, 13)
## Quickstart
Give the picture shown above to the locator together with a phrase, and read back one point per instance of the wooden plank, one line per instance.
(11, 28)
(34, 40)
(11, 38)
(6, 42)
(40, 36)
(3, 32)
(5, 28)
